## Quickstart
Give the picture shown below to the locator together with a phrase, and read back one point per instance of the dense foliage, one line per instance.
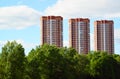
(51, 62)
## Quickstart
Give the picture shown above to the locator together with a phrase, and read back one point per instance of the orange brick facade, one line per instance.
(104, 36)
(52, 30)
(79, 34)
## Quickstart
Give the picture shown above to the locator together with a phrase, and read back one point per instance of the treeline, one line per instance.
(51, 62)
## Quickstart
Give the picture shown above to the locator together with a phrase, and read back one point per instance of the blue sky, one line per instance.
(20, 19)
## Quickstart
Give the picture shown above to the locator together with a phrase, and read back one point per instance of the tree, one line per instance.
(116, 57)
(69, 63)
(13, 58)
(117, 66)
(51, 62)
(33, 64)
(103, 66)
(2, 71)
(82, 66)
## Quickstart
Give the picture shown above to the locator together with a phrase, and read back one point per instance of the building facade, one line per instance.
(79, 34)
(52, 30)
(104, 36)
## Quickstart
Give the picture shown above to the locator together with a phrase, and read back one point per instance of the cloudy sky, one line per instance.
(20, 19)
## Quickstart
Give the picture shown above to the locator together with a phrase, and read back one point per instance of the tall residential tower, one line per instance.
(52, 30)
(104, 36)
(79, 34)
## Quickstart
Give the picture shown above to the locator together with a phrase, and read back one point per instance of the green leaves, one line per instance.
(103, 66)
(13, 59)
(51, 62)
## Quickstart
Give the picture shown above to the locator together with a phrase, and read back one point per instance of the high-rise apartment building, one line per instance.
(79, 34)
(52, 30)
(104, 36)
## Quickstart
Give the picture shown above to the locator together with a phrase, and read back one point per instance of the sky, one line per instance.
(20, 19)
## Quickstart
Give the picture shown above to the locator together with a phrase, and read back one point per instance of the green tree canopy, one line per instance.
(13, 60)
(51, 62)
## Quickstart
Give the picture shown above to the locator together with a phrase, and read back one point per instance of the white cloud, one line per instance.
(2, 43)
(27, 45)
(18, 17)
(66, 43)
(85, 8)
(117, 40)
(117, 35)
(91, 41)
